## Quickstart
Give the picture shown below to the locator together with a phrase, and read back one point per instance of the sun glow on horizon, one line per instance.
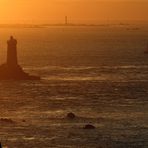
(79, 11)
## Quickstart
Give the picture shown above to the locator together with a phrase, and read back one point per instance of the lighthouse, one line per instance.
(11, 70)
(66, 20)
(12, 52)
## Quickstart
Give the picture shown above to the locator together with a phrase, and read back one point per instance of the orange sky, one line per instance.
(78, 11)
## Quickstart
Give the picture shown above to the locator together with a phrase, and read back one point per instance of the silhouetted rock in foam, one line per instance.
(6, 120)
(89, 126)
(11, 70)
(0, 145)
(71, 116)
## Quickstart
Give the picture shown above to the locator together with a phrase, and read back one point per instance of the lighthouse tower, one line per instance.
(66, 20)
(12, 52)
(11, 70)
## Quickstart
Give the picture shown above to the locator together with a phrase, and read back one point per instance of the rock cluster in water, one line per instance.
(11, 70)
(72, 116)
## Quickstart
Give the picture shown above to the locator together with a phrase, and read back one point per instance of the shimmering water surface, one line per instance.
(99, 73)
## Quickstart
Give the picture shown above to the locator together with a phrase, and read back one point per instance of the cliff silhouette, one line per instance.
(11, 70)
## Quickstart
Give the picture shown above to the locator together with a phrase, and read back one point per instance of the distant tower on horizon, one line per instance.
(66, 20)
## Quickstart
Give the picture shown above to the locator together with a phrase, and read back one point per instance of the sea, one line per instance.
(99, 73)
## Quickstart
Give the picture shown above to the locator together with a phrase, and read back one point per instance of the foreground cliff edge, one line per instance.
(11, 70)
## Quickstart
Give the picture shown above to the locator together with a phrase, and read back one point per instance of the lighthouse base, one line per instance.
(15, 73)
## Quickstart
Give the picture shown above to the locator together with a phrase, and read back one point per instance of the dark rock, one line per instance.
(89, 126)
(0, 145)
(71, 116)
(15, 73)
(6, 120)
(23, 120)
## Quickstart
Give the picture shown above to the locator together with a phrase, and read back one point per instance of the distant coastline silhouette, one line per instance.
(11, 70)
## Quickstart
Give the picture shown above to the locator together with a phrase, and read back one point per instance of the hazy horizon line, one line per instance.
(76, 23)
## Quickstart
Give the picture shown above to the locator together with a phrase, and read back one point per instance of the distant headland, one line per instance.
(11, 70)
(50, 25)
